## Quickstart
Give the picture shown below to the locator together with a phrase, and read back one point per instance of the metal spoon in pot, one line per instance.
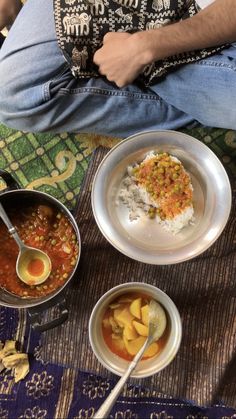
(153, 334)
(33, 266)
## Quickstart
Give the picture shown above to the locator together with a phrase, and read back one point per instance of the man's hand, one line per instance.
(124, 56)
(9, 9)
(121, 58)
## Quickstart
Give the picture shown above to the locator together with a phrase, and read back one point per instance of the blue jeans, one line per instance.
(39, 93)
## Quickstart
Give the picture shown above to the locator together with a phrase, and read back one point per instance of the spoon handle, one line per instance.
(111, 399)
(10, 227)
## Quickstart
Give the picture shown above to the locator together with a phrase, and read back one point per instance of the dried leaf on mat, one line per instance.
(8, 349)
(11, 359)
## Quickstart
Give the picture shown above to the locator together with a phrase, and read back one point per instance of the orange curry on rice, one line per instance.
(168, 184)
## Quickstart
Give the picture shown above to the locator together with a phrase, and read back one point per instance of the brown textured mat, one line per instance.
(203, 289)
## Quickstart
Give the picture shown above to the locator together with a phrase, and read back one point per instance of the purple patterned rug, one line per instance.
(50, 391)
(57, 391)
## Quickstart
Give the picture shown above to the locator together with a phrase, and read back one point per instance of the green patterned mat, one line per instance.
(56, 164)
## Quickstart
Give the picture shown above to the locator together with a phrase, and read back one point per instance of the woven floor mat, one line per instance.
(203, 289)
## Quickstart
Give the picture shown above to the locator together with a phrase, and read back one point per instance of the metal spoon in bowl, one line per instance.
(153, 334)
(33, 266)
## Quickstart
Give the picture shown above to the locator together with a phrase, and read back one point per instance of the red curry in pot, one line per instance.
(46, 228)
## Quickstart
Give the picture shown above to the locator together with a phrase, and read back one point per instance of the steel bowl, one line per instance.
(144, 239)
(147, 367)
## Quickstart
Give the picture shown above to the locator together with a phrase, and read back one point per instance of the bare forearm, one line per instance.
(212, 26)
(124, 56)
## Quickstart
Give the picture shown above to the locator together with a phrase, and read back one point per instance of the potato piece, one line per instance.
(125, 300)
(125, 317)
(135, 308)
(151, 350)
(113, 306)
(115, 336)
(117, 311)
(126, 343)
(129, 333)
(140, 328)
(114, 325)
(112, 322)
(133, 346)
(45, 211)
(145, 314)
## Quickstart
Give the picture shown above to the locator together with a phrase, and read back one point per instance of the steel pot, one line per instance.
(9, 197)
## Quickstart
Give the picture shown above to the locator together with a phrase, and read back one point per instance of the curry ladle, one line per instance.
(153, 335)
(33, 266)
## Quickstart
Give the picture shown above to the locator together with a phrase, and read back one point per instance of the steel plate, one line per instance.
(144, 239)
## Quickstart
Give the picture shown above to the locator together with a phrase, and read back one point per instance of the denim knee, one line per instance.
(19, 96)
(8, 90)
(206, 90)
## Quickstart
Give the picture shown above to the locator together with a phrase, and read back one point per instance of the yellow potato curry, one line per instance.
(125, 327)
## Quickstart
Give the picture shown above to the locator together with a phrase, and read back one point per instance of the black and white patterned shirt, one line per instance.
(82, 24)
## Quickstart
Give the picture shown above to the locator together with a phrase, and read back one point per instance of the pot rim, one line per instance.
(76, 228)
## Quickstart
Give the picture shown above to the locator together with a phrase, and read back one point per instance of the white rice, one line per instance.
(139, 201)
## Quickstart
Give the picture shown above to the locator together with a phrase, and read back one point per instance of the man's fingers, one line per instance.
(115, 36)
(109, 76)
(113, 59)
(96, 58)
(109, 36)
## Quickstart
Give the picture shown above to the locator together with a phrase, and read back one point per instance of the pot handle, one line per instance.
(9, 179)
(35, 315)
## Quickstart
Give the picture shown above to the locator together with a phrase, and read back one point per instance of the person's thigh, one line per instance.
(206, 89)
(29, 57)
(39, 93)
